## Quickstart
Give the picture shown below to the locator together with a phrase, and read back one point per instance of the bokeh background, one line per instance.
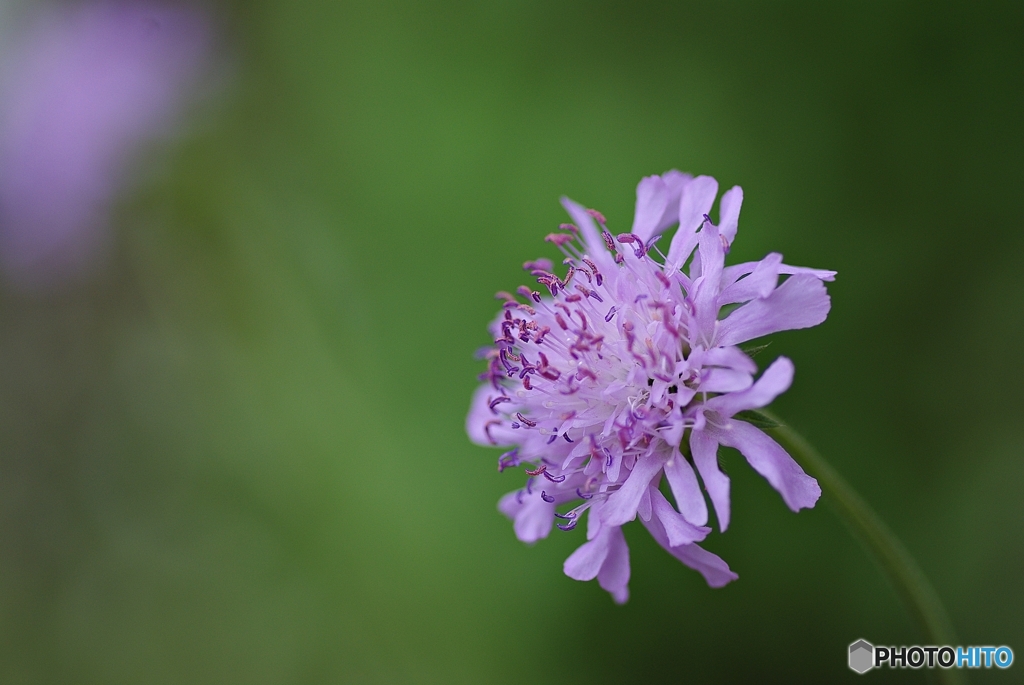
(231, 420)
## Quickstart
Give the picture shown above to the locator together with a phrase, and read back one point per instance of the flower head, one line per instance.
(626, 370)
(79, 91)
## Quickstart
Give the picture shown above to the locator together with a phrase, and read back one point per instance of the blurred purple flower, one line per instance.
(627, 370)
(83, 86)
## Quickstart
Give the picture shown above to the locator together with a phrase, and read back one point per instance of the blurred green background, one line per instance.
(235, 453)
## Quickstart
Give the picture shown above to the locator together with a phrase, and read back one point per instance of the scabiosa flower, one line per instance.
(627, 370)
(80, 90)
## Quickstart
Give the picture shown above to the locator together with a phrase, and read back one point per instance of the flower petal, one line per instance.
(532, 517)
(483, 426)
(760, 282)
(775, 380)
(585, 563)
(657, 203)
(622, 505)
(704, 446)
(725, 380)
(729, 212)
(686, 490)
(715, 571)
(596, 248)
(614, 573)
(771, 461)
(678, 529)
(800, 302)
(695, 201)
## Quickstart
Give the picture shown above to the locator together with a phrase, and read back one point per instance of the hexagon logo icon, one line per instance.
(862, 656)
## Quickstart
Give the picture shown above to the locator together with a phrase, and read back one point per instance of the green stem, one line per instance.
(899, 567)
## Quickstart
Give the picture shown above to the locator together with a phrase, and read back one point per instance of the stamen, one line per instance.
(528, 422)
(610, 314)
(542, 264)
(597, 215)
(498, 400)
(487, 430)
(546, 497)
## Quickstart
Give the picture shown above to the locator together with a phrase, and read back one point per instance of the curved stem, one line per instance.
(899, 567)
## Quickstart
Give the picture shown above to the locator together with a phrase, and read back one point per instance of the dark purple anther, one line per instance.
(519, 496)
(529, 486)
(664, 279)
(554, 436)
(558, 239)
(566, 517)
(608, 240)
(528, 422)
(561, 322)
(593, 267)
(707, 219)
(509, 459)
(554, 479)
(515, 425)
(567, 438)
(568, 526)
(487, 430)
(573, 298)
(582, 318)
(498, 400)
(526, 383)
(546, 497)
(626, 237)
(582, 495)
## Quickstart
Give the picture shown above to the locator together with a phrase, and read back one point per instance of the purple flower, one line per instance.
(83, 87)
(626, 370)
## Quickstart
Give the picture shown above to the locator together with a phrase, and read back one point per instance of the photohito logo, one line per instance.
(864, 656)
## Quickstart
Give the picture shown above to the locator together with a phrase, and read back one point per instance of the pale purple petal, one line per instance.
(715, 571)
(686, 490)
(725, 380)
(730, 358)
(729, 212)
(697, 197)
(652, 196)
(585, 563)
(88, 84)
(596, 248)
(483, 426)
(657, 203)
(678, 529)
(771, 461)
(800, 302)
(758, 283)
(621, 506)
(773, 382)
(705, 299)
(705, 456)
(614, 573)
(533, 519)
